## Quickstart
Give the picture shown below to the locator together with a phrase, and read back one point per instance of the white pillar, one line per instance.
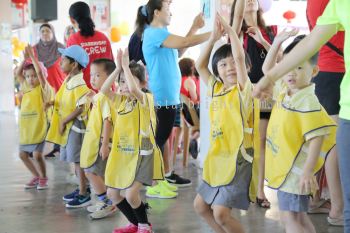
(7, 100)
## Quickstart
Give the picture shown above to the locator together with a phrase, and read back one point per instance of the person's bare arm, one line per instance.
(106, 134)
(237, 21)
(36, 65)
(107, 85)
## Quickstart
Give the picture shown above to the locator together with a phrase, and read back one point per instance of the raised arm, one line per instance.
(134, 89)
(179, 42)
(197, 24)
(38, 70)
(237, 53)
(19, 73)
(273, 54)
(107, 85)
(203, 60)
(237, 15)
(301, 52)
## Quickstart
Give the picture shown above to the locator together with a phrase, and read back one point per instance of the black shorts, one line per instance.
(328, 90)
(187, 114)
(265, 115)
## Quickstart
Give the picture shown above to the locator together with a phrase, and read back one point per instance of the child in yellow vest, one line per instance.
(135, 159)
(97, 138)
(230, 168)
(33, 122)
(68, 120)
(299, 137)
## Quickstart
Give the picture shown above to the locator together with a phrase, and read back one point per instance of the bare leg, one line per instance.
(186, 138)
(38, 156)
(306, 223)
(28, 163)
(333, 181)
(223, 217)
(290, 222)
(166, 157)
(204, 210)
(96, 182)
(114, 195)
(261, 174)
(133, 195)
(82, 179)
(178, 131)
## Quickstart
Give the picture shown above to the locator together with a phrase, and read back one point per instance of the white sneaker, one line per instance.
(95, 207)
(103, 212)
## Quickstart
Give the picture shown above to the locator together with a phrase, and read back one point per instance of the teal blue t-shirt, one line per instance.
(162, 66)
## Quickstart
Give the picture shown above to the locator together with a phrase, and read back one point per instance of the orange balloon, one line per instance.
(115, 34)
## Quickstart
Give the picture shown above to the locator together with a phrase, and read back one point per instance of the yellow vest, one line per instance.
(66, 101)
(92, 137)
(33, 119)
(231, 133)
(133, 122)
(286, 136)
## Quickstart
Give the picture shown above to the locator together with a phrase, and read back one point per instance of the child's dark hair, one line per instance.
(108, 64)
(45, 25)
(223, 52)
(71, 60)
(313, 60)
(80, 12)
(186, 67)
(145, 14)
(138, 71)
(29, 66)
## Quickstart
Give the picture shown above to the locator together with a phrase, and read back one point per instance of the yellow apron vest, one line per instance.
(92, 137)
(65, 103)
(230, 134)
(132, 122)
(33, 119)
(285, 138)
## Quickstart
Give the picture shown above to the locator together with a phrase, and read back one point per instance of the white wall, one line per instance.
(7, 102)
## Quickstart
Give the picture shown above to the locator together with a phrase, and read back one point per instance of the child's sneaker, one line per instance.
(42, 184)
(71, 196)
(168, 186)
(131, 228)
(96, 207)
(103, 212)
(159, 191)
(79, 201)
(32, 183)
(144, 228)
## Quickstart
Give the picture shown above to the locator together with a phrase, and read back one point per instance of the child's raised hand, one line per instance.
(263, 89)
(226, 27)
(29, 51)
(125, 59)
(255, 33)
(218, 31)
(119, 59)
(284, 35)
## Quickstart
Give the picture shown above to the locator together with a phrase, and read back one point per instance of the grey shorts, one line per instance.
(144, 173)
(98, 167)
(235, 194)
(71, 152)
(32, 147)
(293, 202)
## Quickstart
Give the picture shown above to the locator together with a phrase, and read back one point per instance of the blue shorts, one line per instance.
(293, 202)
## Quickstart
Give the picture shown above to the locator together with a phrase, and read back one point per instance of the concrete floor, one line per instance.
(34, 211)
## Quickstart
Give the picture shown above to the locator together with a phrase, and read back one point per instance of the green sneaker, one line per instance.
(159, 191)
(168, 186)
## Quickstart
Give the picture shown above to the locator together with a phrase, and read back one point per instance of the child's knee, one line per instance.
(38, 156)
(23, 155)
(221, 216)
(200, 206)
(114, 195)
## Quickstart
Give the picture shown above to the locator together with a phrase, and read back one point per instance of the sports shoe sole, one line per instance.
(78, 206)
(30, 187)
(180, 185)
(335, 222)
(42, 187)
(104, 216)
(67, 200)
(159, 196)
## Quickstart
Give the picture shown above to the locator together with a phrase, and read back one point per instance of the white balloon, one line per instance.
(265, 5)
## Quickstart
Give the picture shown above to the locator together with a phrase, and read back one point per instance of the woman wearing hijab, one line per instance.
(95, 43)
(47, 52)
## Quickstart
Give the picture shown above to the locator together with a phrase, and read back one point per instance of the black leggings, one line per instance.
(166, 119)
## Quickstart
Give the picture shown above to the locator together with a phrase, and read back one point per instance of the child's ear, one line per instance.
(315, 70)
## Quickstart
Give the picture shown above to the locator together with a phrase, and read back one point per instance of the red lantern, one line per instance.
(289, 15)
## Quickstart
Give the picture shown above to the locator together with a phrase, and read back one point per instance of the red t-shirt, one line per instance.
(329, 60)
(97, 46)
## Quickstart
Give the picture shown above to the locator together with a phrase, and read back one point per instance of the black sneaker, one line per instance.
(193, 148)
(178, 180)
